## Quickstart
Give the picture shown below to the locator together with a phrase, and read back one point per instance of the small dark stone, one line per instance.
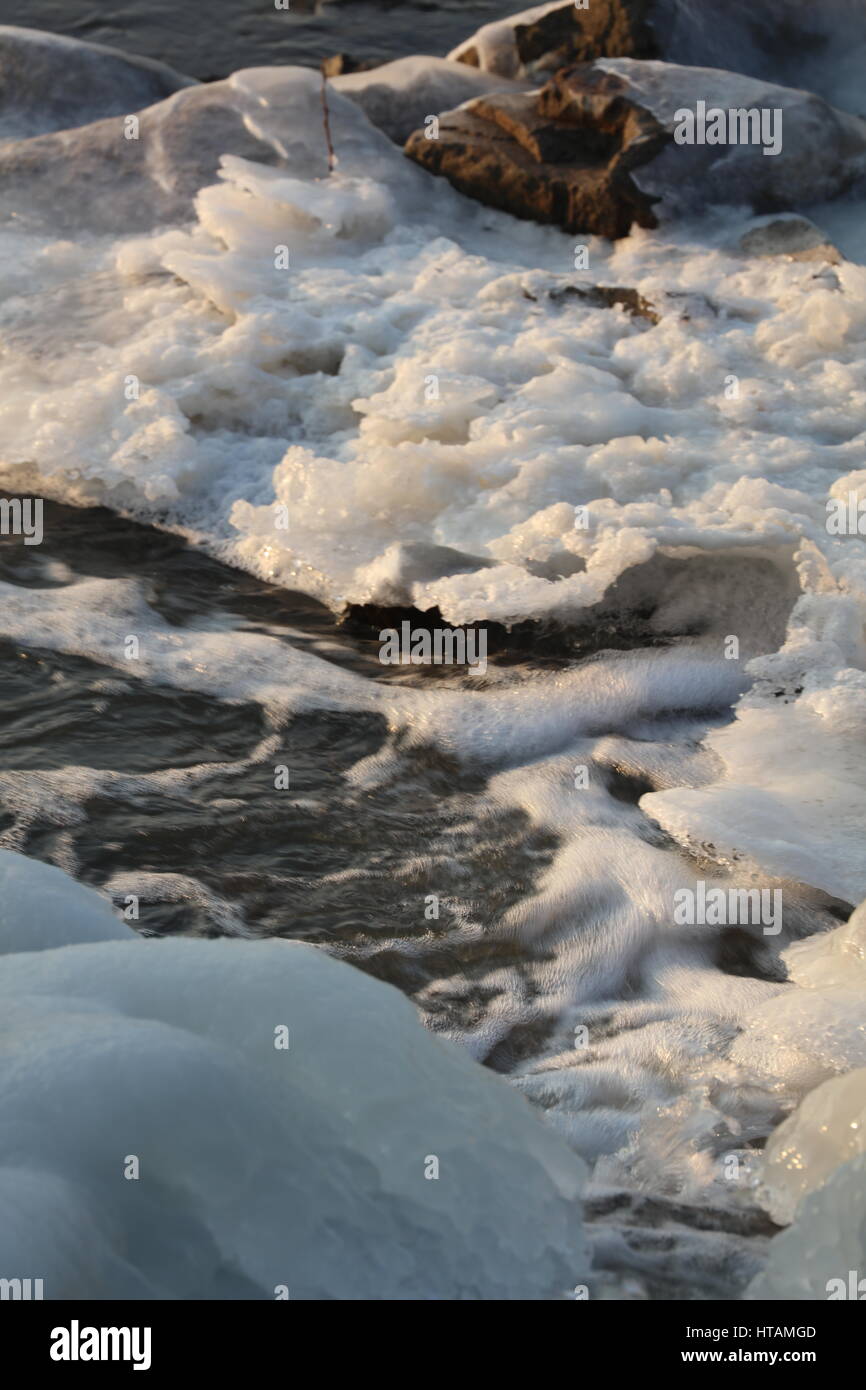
(340, 63)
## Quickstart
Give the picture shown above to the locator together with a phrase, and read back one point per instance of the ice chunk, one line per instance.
(398, 97)
(827, 1129)
(101, 179)
(823, 1254)
(207, 1119)
(812, 1033)
(836, 959)
(41, 907)
(48, 82)
(817, 150)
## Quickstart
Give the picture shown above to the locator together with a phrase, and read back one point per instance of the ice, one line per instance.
(41, 908)
(262, 1168)
(828, 1128)
(398, 97)
(48, 82)
(818, 151)
(823, 1254)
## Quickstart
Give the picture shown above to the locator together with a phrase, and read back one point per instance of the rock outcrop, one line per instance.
(553, 36)
(564, 155)
(601, 145)
(795, 43)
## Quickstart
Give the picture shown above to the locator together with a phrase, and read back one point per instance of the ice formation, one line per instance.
(48, 82)
(399, 96)
(297, 1133)
(821, 1256)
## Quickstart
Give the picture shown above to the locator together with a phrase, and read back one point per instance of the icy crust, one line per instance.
(493, 48)
(261, 1168)
(788, 768)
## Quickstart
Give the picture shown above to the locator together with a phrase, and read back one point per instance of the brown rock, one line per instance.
(607, 29)
(563, 155)
(568, 35)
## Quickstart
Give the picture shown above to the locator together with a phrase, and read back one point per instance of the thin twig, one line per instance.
(332, 158)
